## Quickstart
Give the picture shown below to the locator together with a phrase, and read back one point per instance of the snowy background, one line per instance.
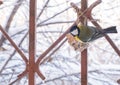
(63, 67)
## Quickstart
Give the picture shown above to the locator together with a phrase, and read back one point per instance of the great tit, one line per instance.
(89, 33)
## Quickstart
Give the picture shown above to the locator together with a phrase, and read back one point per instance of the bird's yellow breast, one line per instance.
(78, 39)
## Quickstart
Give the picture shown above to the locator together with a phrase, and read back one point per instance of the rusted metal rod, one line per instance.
(32, 39)
(89, 16)
(84, 79)
(14, 45)
(107, 38)
(48, 50)
(47, 59)
(17, 49)
(53, 45)
(19, 77)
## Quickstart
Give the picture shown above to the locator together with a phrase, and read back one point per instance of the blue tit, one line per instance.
(90, 33)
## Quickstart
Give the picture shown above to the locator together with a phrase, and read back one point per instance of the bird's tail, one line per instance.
(110, 30)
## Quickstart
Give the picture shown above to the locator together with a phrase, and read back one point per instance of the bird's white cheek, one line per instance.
(75, 32)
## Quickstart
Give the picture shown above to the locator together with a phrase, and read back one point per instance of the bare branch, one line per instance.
(53, 16)
(43, 9)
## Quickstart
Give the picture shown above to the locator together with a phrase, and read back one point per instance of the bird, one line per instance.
(90, 33)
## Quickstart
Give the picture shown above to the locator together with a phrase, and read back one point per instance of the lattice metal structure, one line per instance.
(35, 63)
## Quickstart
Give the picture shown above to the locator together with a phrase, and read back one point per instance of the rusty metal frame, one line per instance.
(86, 13)
(31, 65)
(84, 56)
(32, 39)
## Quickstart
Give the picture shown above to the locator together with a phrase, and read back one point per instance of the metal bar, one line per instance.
(84, 53)
(14, 45)
(19, 77)
(10, 18)
(84, 67)
(48, 50)
(49, 56)
(88, 15)
(32, 31)
(52, 46)
(107, 38)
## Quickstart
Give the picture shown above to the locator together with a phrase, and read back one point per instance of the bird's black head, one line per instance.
(74, 30)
